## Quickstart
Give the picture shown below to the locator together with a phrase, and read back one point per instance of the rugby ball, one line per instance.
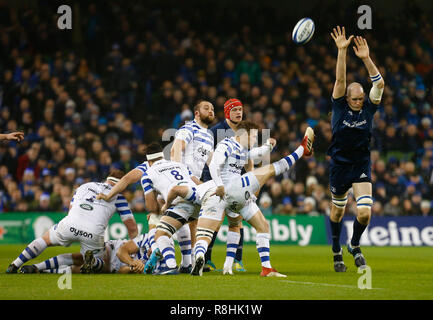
(303, 31)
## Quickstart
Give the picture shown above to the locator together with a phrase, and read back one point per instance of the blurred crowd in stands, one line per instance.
(91, 98)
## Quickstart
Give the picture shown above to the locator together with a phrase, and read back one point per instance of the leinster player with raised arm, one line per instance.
(350, 167)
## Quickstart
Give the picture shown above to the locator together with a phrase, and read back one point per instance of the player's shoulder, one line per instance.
(143, 166)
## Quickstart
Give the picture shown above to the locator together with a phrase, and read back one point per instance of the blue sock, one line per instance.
(335, 231)
(358, 230)
(238, 256)
(208, 254)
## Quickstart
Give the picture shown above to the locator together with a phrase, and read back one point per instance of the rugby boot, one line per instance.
(197, 269)
(357, 255)
(12, 269)
(271, 272)
(89, 261)
(29, 269)
(150, 265)
(307, 142)
(339, 265)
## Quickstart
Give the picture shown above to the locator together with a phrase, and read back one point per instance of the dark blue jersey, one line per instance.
(351, 131)
(220, 131)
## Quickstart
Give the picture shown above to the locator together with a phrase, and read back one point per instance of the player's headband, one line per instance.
(154, 156)
(113, 179)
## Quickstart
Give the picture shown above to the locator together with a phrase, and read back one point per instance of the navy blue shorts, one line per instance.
(342, 176)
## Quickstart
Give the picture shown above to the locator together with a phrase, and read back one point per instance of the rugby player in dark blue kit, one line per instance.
(233, 112)
(350, 167)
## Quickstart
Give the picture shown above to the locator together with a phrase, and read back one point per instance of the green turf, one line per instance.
(397, 273)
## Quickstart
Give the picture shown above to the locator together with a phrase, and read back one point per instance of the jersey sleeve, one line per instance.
(224, 148)
(185, 134)
(142, 167)
(123, 209)
(146, 183)
(338, 104)
(372, 107)
(140, 240)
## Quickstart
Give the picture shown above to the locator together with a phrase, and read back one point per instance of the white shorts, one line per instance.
(111, 247)
(67, 231)
(183, 209)
(241, 190)
(213, 208)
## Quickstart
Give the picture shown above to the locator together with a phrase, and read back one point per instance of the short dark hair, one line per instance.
(153, 147)
(247, 125)
(116, 173)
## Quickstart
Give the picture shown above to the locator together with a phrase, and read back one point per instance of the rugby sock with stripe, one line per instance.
(200, 248)
(208, 255)
(166, 247)
(184, 239)
(262, 245)
(34, 249)
(152, 242)
(98, 264)
(232, 246)
(358, 230)
(55, 262)
(335, 232)
(286, 163)
(240, 246)
(61, 269)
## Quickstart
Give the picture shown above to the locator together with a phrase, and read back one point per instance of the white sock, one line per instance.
(33, 250)
(286, 163)
(167, 249)
(200, 248)
(262, 245)
(232, 246)
(184, 239)
(60, 269)
(55, 262)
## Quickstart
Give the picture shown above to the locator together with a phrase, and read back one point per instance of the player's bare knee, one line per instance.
(364, 215)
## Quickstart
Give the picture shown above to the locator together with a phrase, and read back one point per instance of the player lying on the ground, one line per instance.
(85, 223)
(237, 198)
(121, 256)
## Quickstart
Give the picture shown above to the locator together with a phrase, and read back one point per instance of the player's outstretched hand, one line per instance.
(14, 136)
(339, 36)
(361, 48)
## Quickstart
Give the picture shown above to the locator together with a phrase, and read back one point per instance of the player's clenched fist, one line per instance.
(339, 36)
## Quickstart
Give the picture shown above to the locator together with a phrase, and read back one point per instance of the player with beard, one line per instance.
(233, 112)
(193, 146)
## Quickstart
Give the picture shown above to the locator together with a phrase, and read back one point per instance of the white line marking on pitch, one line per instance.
(326, 284)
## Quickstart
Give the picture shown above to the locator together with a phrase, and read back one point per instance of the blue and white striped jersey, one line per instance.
(142, 242)
(93, 213)
(199, 145)
(143, 166)
(236, 157)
